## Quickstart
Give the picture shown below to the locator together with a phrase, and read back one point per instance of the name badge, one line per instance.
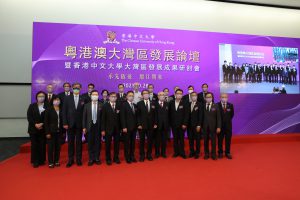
(180, 107)
(213, 109)
(228, 109)
(153, 107)
(196, 108)
(117, 111)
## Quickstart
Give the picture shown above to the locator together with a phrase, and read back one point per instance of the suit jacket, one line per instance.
(226, 116)
(144, 118)
(87, 118)
(212, 118)
(51, 120)
(104, 101)
(128, 117)
(162, 114)
(110, 119)
(201, 98)
(47, 102)
(195, 115)
(34, 117)
(186, 98)
(87, 97)
(123, 99)
(72, 116)
(62, 96)
(180, 116)
(154, 97)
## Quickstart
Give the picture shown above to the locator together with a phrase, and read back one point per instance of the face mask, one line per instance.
(49, 90)
(194, 98)
(204, 89)
(94, 97)
(146, 96)
(76, 90)
(130, 98)
(112, 99)
(208, 100)
(104, 95)
(90, 90)
(67, 89)
(41, 99)
(150, 90)
(178, 96)
(161, 98)
(224, 100)
(56, 103)
(121, 90)
(166, 94)
(190, 91)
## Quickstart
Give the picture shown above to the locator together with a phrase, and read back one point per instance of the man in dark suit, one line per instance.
(62, 95)
(129, 126)
(91, 121)
(161, 133)
(201, 95)
(187, 98)
(152, 95)
(87, 95)
(146, 118)
(211, 126)
(225, 72)
(110, 127)
(121, 96)
(179, 120)
(50, 95)
(173, 95)
(72, 120)
(227, 113)
(195, 121)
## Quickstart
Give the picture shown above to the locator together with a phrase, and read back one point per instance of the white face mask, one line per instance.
(94, 97)
(194, 98)
(146, 96)
(208, 100)
(178, 96)
(190, 91)
(56, 102)
(90, 90)
(161, 98)
(41, 99)
(224, 100)
(112, 99)
(130, 98)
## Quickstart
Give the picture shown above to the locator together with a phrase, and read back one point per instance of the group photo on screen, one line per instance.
(244, 67)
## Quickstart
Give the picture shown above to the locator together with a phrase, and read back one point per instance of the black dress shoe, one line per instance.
(150, 158)
(197, 156)
(228, 156)
(90, 163)
(220, 155)
(214, 157)
(117, 160)
(108, 162)
(183, 156)
(175, 155)
(69, 164)
(133, 160)
(57, 164)
(191, 155)
(98, 162)
(156, 155)
(206, 156)
(164, 155)
(128, 161)
(51, 165)
(35, 165)
(79, 163)
(142, 159)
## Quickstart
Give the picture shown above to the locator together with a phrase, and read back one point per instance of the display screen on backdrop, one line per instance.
(258, 69)
(109, 55)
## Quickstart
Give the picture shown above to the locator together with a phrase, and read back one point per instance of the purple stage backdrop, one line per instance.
(109, 55)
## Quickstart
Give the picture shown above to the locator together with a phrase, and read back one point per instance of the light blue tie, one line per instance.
(94, 114)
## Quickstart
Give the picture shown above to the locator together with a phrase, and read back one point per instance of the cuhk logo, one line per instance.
(111, 37)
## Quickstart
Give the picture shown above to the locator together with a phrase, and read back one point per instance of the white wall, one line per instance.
(16, 19)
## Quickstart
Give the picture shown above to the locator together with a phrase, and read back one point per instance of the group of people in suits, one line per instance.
(257, 72)
(121, 118)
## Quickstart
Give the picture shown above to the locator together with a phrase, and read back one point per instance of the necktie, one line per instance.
(49, 97)
(224, 107)
(76, 102)
(113, 106)
(207, 107)
(161, 104)
(147, 105)
(192, 107)
(132, 108)
(94, 114)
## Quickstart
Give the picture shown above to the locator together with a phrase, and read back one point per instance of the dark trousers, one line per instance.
(129, 144)
(160, 140)
(115, 135)
(227, 134)
(75, 135)
(143, 134)
(209, 135)
(38, 148)
(178, 141)
(194, 139)
(54, 147)
(94, 142)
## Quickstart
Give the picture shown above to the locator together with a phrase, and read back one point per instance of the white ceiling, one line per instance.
(292, 3)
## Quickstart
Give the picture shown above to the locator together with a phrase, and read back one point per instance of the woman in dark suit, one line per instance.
(36, 131)
(53, 129)
(104, 94)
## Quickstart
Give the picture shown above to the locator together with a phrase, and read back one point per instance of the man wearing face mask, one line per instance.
(50, 95)
(211, 126)
(161, 134)
(146, 119)
(179, 114)
(91, 121)
(227, 113)
(201, 95)
(187, 98)
(137, 93)
(87, 95)
(152, 95)
(121, 96)
(166, 94)
(62, 95)
(195, 121)
(173, 95)
(104, 94)
(72, 121)
(129, 126)
(110, 127)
